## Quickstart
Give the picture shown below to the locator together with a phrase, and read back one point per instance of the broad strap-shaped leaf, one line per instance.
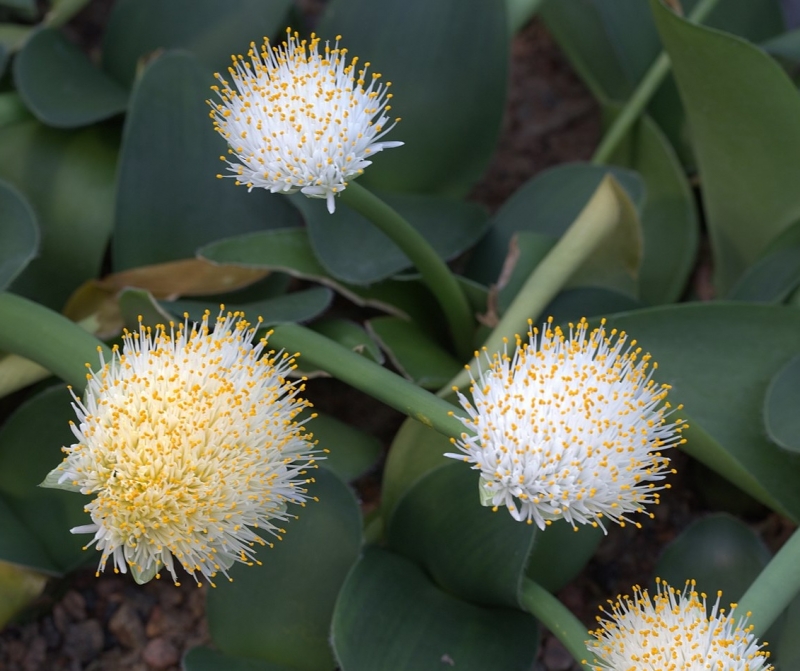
(669, 216)
(19, 234)
(206, 659)
(353, 250)
(68, 180)
(448, 63)
(414, 352)
(747, 151)
(390, 617)
(281, 611)
(169, 200)
(30, 447)
(212, 30)
(709, 351)
(782, 407)
(61, 86)
(718, 551)
(469, 550)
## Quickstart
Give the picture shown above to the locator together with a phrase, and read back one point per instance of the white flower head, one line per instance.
(296, 119)
(570, 426)
(674, 631)
(189, 442)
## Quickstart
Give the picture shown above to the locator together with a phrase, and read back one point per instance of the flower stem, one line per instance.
(368, 376)
(558, 619)
(775, 587)
(641, 96)
(48, 338)
(435, 273)
(592, 225)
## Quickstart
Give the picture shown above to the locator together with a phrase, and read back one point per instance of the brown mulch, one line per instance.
(110, 623)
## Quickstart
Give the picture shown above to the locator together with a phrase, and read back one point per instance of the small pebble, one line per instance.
(127, 627)
(83, 640)
(159, 653)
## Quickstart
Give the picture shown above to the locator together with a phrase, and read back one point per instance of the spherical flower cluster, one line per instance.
(570, 426)
(296, 119)
(673, 631)
(189, 440)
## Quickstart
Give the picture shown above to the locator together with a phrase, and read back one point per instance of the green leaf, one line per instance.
(206, 659)
(718, 551)
(468, 550)
(782, 407)
(136, 303)
(351, 335)
(787, 650)
(351, 452)
(19, 234)
(560, 553)
(13, 36)
(18, 587)
(416, 450)
(411, 349)
(27, 6)
(669, 217)
(746, 151)
(68, 179)
(390, 617)
(355, 251)
(448, 64)
(775, 275)
(169, 201)
(572, 304)
(61, 86)
(3, 59)
(289, 251)
(281, 611)
(298, 306)
(30, 447)
(545, 205)
(213, 30)
(18, 544)
(695, 345)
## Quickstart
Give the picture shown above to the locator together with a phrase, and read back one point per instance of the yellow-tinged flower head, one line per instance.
(570, 426)
(673, 631)
(296, 119)
(189, 440)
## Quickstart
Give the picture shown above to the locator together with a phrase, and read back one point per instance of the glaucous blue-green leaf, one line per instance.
(19, 234)
(68, 180)
(782, 407)
(13, 35)
(350, 452)
(19, 545)
(137, 305)
(391, 617)
(353, 250)
(213, 30)
(30, 447)
(61, 86)
(448, 64)
(719, 552)
(706, 350)
(771, 279)
(3, 59)
(281, 611)
(470, 551)
(669, 216)
(206, 659)
(351, 335)
(298, 306)
(414, 353)
(572, 304)
(560, 553)
(545, 205)
(416, 450)
(289, 251)
(27, 6)
(787, 650)
(12, 109)
(746, 151)
(169, 200)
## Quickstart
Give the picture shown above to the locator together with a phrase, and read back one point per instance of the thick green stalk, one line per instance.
(595, 222)
(775, 587)
(317, 351)
(645, 90)
(48, 338)
(559, 620)
(435, 273)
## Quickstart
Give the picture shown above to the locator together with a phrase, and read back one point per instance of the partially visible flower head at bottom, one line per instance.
(673, 631)
(189, 441)
(570, 426)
